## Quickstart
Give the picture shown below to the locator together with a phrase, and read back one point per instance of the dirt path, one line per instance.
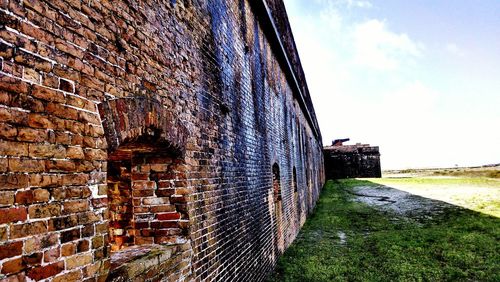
(400, 202)
(413, 198)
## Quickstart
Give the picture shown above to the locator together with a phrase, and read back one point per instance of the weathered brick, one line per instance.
(70, 276)
(39, 242)
(88, 230)
(6, 51)
(24, 58)
(13, 85)
(14, 149)
(61, 111)
(75, 179)
(41, 195)
(27, 229)
(168, 216)
(12, 215)
(89, 217)
(63, 138)
(11, 249)
(78, 260)
(64, 222)
(42, 272)
(26, 165)
(24, 197)
(4, 165)
(31, 75)
(95, 154)
(40, 150)
(60, 165)
(50, 80)
(68, 249)
(13, 266)
(70, 235)
(75, 206)
(35, 5)
(83, 246)
(6, 198)
(7, 131)
(97, 242)
(52, 254)
(41, 180)
(44, 210)
(3, 233)
(5, 97)
(33, 259)
(31, 135)
(91, 270)
(40, 121)
(13, 181)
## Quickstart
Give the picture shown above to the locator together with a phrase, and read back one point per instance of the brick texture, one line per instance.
(129, 124)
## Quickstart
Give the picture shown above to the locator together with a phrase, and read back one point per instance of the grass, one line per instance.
(489, 171)
(458, 245)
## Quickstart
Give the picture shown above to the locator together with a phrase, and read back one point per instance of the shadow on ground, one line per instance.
(363, 231)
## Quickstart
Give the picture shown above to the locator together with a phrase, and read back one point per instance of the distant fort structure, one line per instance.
(350, 161)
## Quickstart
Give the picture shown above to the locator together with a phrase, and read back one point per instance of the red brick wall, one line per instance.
(197, 95)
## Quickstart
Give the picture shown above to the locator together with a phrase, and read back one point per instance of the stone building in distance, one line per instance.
(350, 161)
(152, 140)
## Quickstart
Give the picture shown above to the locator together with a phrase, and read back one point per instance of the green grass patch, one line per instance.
(344, 240)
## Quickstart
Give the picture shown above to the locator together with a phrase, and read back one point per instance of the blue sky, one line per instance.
(421, 79)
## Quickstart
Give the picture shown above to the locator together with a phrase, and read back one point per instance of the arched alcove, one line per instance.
(146, 177)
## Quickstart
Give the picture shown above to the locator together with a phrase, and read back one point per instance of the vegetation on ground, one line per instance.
(487, 171)
(347, 240)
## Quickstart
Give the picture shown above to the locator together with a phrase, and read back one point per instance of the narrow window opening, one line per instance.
(296, 194)
(278, 207)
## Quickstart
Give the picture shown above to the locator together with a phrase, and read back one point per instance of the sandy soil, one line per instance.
(398, 201)
(421, 200)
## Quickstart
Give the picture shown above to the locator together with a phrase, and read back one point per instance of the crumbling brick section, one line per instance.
(120, 206)
(147, 200)
(147, 188)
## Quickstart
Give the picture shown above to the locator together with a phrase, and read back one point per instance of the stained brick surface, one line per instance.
(159, 119)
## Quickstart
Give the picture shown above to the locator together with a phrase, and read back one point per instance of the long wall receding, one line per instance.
(152, 140)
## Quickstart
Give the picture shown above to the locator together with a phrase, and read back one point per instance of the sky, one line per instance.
(420, 79)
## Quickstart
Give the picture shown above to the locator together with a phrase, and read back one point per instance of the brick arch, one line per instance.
(147, 190)
(141, 120)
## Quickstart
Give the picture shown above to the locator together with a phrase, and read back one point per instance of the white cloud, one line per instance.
(412, 100)
(379, 48)
(453, 49)
(359, 4)
(331, 16)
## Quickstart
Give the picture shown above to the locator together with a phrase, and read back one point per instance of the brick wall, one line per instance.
(144, 133)
(350, 161)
